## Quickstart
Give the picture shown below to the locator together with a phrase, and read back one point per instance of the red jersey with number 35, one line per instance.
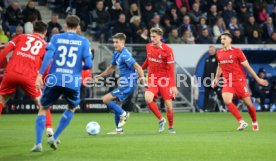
(28, 52)
(230, 62)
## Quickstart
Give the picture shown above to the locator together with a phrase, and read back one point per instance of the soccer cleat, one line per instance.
(50, 132)
(116, 132)
(37, 148)
(171, 131)
(52, 142)
(255, 126)
(123, 120)
(162, 123)
(242, 126)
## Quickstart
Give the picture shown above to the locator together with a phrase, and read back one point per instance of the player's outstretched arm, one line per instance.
(218, 74)
(254, 75)
(110, 69)
(140, 72)
(145, 65)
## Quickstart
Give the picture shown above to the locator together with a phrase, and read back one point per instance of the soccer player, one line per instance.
(67, 52)
(128, 80)
(161, 78)
(231, 61)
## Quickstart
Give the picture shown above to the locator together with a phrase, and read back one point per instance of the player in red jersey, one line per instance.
(22, 69)
(231, 61)
(161, 78)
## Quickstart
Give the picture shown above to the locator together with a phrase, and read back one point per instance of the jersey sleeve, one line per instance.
(87, 56)
(52, 44)
(129, 60)
(170, 62)
(170, 56)
(241, 57)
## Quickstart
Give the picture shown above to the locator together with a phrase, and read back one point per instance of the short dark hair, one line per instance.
(120, 36)
(72, 21)
(40, 27)
(157, 30)
(227, 34)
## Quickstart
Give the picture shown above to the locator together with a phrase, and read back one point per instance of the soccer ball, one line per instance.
(93, 128)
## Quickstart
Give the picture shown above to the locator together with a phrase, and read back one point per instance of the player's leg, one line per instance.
(227, 98)
(252, 112)
(7, 88)
(149, 97)
(170, 115)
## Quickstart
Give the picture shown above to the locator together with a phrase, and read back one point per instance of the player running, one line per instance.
(21, 71)
(128, 80)
(161, 78)
(67, 52)
(231, 61)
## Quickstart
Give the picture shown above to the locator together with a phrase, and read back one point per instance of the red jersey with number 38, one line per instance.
(230, 62)
(28, 52)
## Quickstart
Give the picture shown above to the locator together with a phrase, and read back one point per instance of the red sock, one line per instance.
(252, 113)
(170, 115)
(48, 119)
(1, 108)
(154, 108)
(234, 110)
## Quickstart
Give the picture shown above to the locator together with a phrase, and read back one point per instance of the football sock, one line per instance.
(39, 128)
(48, 119)
(170, 115)
(117, 119)
(115, 107)
(252, 113)
(1, 108)
(154, 108)
(64, 122)
(234, 110)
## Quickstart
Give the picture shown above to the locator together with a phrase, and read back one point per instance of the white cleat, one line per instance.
(50, 133)
(52, 142)
(255, 126)
(162, 123)
(116, 132)
(123, 120)
(37, 148)
(243, 125)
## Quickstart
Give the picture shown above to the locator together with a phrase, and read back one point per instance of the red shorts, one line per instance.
(13, 80)
(165, 91)
(237, 88)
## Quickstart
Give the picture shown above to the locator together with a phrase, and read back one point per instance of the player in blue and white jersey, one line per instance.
(68, 53)
(129, 72)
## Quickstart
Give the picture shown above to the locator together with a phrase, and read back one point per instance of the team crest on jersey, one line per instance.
(159, 56)
(230, 56)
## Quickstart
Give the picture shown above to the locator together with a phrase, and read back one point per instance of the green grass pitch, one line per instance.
(199, 137)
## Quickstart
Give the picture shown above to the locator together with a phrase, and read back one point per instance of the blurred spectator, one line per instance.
(166, 26)
(13, 16)
(243, 14)
(133, 11)
(155, 21)
(160, 7)
(173, 16)
(255, 38)
(261, 92)
(219, 28)
(121, 26)
(54, 24)
(187, 26)
(195, 14)
(182, 12)
(100, 20)
(234, 25)
(188, 37)
(272, 40)
(143, 38)
(3, 37)
(204, 37)
(228, 13)
(148, 14)
(115, 11)
(53, 32)
(238, 37)
(30, 11)
(19, 31)
(173, 37)
(262, 15)
(136, 28)
(273, 16)
(202, 24)
(181, 3)
(251, 25)
(212, 15)
(28, 26)
(268, 29)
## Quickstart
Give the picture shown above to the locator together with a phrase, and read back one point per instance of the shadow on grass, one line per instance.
(27, 156)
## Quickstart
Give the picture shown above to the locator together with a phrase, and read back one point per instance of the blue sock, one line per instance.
(64, 122)
(117, 119)
(115, 107)
(39, 128)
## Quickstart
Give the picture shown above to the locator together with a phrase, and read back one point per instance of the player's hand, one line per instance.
(39, 82)
(174, 91)
(214, 83)
(144, 82)
(262, 82)
(96, 78)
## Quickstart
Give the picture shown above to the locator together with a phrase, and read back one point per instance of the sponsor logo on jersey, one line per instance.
(155, 60)
(226, 62)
